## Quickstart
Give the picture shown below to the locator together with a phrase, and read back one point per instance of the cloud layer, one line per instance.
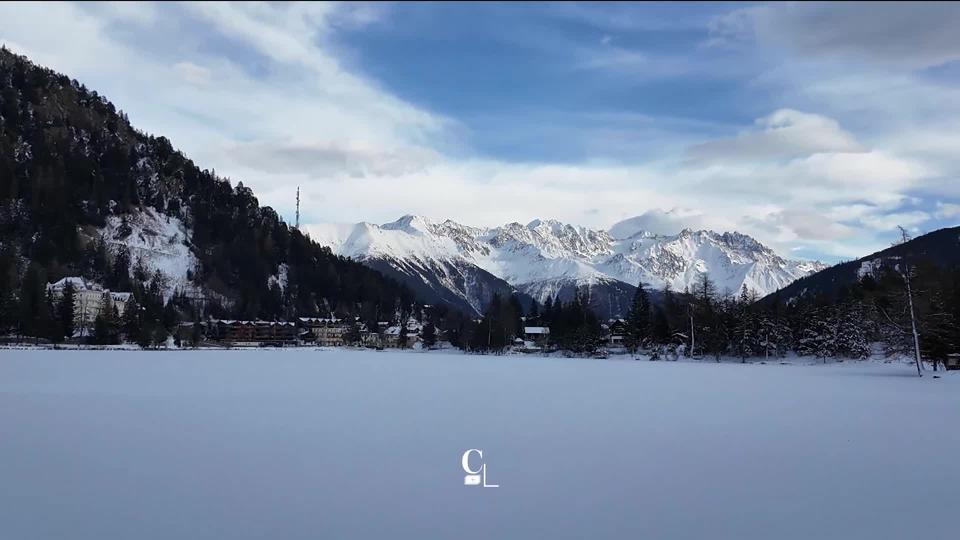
(848, 130)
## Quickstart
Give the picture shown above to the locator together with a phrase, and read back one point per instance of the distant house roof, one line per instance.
(262, 322)
(79, 283)
(392, 331)
(258, 322)
(536, 330)
(319, 320)
(232, 322)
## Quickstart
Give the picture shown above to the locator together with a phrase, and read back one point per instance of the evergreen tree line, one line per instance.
(871, 315)
(846, 324)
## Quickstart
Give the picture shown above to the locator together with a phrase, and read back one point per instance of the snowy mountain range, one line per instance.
(464, 265)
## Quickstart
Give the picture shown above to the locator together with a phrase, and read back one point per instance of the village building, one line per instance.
(953, 361)
(89, 301)
(327, 332)
(373, 339)
(615, 332)
(406, 335)
(240, 333)
(391, 337)
(536, 337)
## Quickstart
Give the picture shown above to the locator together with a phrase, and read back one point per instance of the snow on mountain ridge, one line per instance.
(545, 254)
(410, 223)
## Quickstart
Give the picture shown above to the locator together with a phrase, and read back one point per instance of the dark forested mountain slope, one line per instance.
(939, 248)
(83, 192)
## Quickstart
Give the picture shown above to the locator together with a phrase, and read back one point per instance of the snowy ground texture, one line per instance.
(310, 444)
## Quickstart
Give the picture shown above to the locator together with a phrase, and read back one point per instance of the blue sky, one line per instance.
(816, 128)
(550, 70)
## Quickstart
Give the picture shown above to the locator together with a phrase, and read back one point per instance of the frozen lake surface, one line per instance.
(310, 444)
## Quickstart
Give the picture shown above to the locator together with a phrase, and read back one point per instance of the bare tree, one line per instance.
(692, 341)
(906, 272)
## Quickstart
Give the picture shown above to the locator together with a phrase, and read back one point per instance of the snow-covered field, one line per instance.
(343, 444)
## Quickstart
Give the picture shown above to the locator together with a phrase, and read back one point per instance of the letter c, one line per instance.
(465, 461)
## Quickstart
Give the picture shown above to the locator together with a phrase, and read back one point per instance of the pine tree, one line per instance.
(746, 335)
(429, 335)
(403, 340)
(813, 337)
(774, 336)
(747, 338)
(8, 280)
(661, 326)
(638, 319)
(49, 326)
(130, 320)
(352, 336)
(548, 310)
(101, 332)
(119, 279)
(675, 315)
(852, 340)
(534, 313)
(705, 333)
(34, 317)
(939, 337)
(511, 319)
(65, 309)
(496, 319)
(170, 318)
(195, 334)
(106, 326)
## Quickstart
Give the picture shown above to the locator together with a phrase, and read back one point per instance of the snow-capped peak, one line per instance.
(410, 223)
(551, 252)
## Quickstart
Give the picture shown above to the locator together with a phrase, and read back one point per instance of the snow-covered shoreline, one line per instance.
(789, 360)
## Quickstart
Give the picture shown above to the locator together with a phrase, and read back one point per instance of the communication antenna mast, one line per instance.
(297, 223)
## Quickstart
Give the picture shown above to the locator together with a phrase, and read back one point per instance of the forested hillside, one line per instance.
(80, 187)
(939, 248)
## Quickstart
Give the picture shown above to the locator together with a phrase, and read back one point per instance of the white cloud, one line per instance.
(792, 179)
(731, 30)
(901, 34)
(612, 58)
(879, 175)
(890, 222)
(812, 225)
(214, 105)
(192, 73)
(658, 221)
(947, 210)
(331, 158)
(784, 134)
